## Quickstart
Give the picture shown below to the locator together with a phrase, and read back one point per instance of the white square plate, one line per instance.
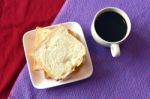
(37, 77)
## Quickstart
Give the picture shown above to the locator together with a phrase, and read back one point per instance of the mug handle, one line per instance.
(115, 50)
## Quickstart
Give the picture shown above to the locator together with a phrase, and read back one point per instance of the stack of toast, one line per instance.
(57, 51)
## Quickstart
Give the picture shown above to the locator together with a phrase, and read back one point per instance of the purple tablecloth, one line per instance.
(125, 77)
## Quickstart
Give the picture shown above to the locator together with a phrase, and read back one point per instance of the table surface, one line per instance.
(125, 77)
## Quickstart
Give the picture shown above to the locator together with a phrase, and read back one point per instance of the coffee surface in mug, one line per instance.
(111, 26)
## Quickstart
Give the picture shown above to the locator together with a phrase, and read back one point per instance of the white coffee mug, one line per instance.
(114, 46)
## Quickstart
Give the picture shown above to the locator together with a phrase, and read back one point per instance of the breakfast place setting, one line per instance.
(93, 49)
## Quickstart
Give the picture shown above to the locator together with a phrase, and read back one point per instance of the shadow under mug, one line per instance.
(114, 46)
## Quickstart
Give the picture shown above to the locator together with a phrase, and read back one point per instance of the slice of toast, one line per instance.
(40, 35)
(59, 53)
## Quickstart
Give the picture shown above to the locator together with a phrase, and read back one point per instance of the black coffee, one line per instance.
(111, 26)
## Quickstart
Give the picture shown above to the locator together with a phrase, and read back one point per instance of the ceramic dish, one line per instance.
(37, 77)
